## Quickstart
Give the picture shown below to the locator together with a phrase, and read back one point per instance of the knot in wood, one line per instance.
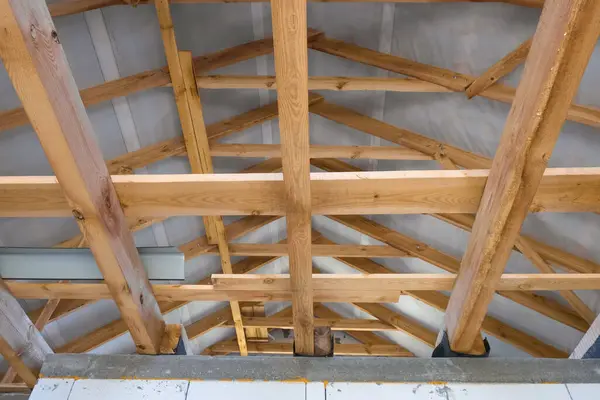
(78, 215)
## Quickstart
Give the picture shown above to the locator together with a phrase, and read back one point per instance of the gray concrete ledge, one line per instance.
(340, 369)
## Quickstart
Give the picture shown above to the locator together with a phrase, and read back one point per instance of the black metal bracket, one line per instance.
(443, 350)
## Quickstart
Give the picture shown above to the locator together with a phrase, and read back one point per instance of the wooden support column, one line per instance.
(291, 67)
(562, 45)
(21, 344)
(37, 65)
(181, 69)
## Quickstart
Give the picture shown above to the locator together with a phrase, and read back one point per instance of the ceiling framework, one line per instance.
(488, 198)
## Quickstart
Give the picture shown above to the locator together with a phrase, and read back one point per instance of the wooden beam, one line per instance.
(384, 283)
(37, 65)
(450, 79)
(562, 46)
(390, 192)
(69, 7)
(317, 250)
(344, 349)
(336, 324)
(334, 83)
(218, 318)
(156, 78)
(543, 305)
(21, 343)
(40, 323)
(320, 151)
(499, 329)
(189, 107)
(403, 137)
(14, 388)
(500, 69)
(291, 67)
(117, 328)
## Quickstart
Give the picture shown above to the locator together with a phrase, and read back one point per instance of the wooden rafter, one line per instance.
(493, 326)
(291, 66)
(562, 46)
(452, 80)
(43, 80)
(155, 78)
(317, 250)
(21, 343)
(189, 107)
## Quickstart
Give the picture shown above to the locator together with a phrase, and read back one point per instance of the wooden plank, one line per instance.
(549, 253)
(385, 283)
(320, 151)
(344, 349)
(156, 78)
(14, 388)
(291, 67)
(440, 76)
(543, 305)
(21, 343)
(492, 326)
(389, 192)
(529, 252)
(117, 328)
(216, 319)
(40, 323)
(254, 333)
(69, 7)
(336, 324)
(401, 136)
(37, 66)
(407, 325)
(334, 83)
(503, 67)
(317, 250)
(562, 46)
(189, 107)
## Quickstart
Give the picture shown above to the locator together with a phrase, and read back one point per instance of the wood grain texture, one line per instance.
(503, 67)
(39, 70)
(492, 326)
(155, 78)
(291, 71)
(189, 107)
(390, 192)
(397, 135)
(452, 80)
(336, 324)
(317, 250)
(320, 151)
(334, 83)
(562, 45)
(385, 283)
(21, 343)
(545, 306)
(214, 320)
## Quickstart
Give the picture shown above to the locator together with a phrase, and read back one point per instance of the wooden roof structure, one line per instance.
(488, 198)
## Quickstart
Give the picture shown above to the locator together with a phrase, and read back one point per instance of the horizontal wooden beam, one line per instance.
(336, 324)
(395, 192)
(172, 293)
(14, 388)
(343, 349)
(317, 250)
(320, 151)
(334, 83)
(69, 7)
(389, 283)
(327, 287)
